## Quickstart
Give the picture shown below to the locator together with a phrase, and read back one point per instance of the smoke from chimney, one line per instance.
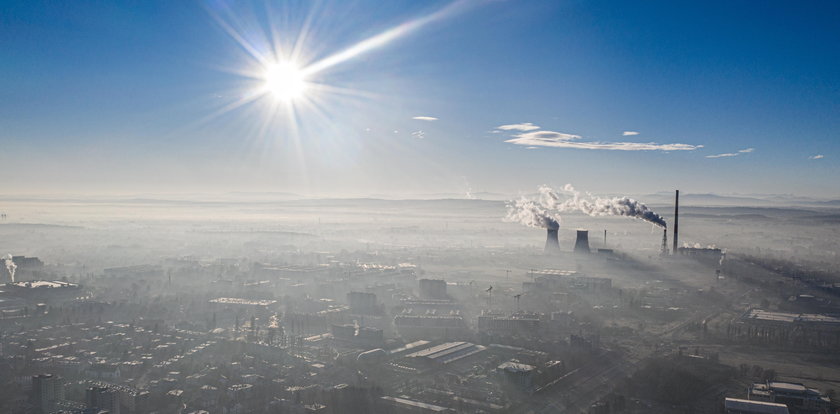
(598, 206)
(542, 212)
(531, 214)
(11, 267)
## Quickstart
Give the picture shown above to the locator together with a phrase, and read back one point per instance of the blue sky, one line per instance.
(127, 97)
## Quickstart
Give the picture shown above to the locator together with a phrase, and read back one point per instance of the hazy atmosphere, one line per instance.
(468, 206)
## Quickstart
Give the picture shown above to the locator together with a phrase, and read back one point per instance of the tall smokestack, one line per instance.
(676, 222)
(552, 244)
(582, 241)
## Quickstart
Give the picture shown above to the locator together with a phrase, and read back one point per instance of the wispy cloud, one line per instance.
(732, 154)
(562, 140)
(629, 133)
(526, 126)
(425, 118)
(816, 157)
(725, 155)
(418, 134)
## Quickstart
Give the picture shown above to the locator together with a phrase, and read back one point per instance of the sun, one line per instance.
(285, 81)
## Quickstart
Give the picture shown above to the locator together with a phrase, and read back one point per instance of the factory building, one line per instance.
(810, 320)
(446, 353)
(363, 303)
(797, 397)
(403, 405)
(134, 272)
(518, 374)
(739, 406)
(709, 255)
(796, 329)
(431, 327)
(365, 335)
(526, 324)
(433, 289)
(551, 280)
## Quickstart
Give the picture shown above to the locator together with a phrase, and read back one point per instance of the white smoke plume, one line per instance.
(11, 267)
(536, 213)
(532, 214)
(598, 206)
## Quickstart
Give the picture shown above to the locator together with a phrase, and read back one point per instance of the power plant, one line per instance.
(582, 241)
(552, 244)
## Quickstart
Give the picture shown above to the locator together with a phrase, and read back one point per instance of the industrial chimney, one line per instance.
(582, 241)
(552, 245)
(663, 251)
(676, 222)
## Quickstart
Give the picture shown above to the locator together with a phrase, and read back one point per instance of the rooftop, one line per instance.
(511, 366)
(746, 406)
(43, 284)
(785, 317)
(448, 352)
(416, 404)
(240, 301)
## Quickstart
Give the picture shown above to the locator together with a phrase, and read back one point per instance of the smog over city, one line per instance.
(446, 206)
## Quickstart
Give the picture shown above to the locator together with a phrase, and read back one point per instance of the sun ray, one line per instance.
(385, 37)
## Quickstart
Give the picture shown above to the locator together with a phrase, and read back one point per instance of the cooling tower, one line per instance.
(582, 241)
(552, 244)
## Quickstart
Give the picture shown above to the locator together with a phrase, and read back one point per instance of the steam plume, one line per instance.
(598, 206)
(11, 267)
(532, 214)
(543, 211)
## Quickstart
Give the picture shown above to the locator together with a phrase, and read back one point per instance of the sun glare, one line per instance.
(285, 81)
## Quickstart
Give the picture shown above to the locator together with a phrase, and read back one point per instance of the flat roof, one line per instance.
(785, 317)
(448, 352)
(787, 386)
(408, 347)
(418, 404)
(553, 272)
(43, 284)
(240, 301)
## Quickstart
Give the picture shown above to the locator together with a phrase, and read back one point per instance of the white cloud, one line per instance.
(425, 118)
(418, 134)
(629, 133)
(728, 154)
(526, 126)
(816, 157)
(562, 140)
(547, 136)
(732, 154)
